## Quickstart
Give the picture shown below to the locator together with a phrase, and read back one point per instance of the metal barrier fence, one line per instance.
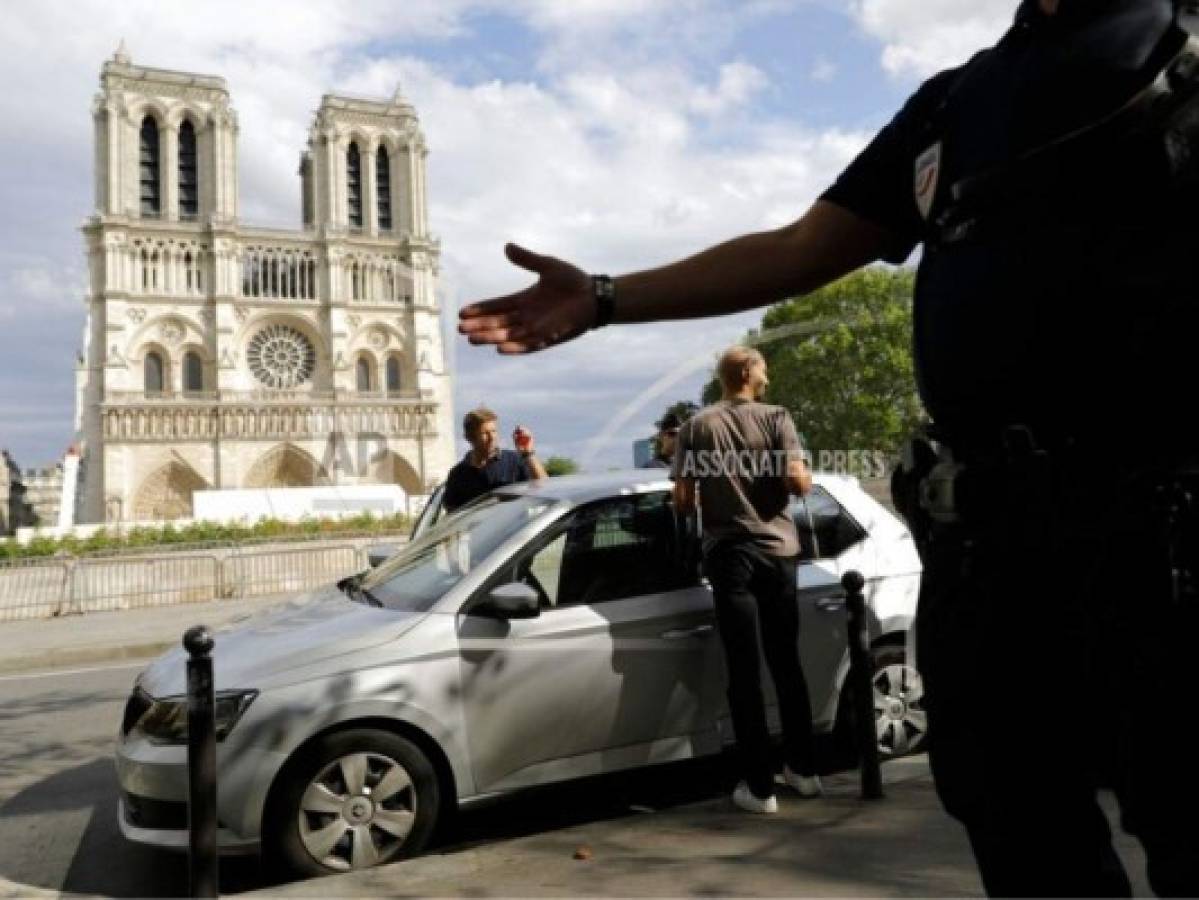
(278, 571)
(67, 585)
(102, 585)
(34, 588)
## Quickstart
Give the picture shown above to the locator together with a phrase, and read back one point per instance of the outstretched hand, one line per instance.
(558, 308)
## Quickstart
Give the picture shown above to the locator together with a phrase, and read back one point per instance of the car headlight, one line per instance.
(165, 722)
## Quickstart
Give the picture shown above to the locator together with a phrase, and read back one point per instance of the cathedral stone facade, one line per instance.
(223, 356)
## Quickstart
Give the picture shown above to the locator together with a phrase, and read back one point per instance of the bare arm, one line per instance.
(753, 270)
(799, 478)
(536, 469)
(746, 272)
(684, 496)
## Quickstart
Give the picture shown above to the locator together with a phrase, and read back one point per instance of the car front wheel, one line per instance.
(352, 800)
(899, 716)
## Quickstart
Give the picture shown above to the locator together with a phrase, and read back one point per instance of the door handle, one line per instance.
(831, 604)
(679, 634)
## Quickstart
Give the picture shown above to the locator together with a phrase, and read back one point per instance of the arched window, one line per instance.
(193, 373)
(155, 374)
(354, 186)
(383, 184)
(151, 205)
(364, 374)
(189, 197)
(393, 374)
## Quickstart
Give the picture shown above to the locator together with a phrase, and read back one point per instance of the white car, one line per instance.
(841, 528)
(548, 631)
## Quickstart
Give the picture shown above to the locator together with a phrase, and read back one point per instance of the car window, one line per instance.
(430, 514)
(421, 573)
(825, 529)
(545, 569)
(618, 548)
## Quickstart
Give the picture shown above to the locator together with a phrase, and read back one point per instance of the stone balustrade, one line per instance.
(129, 422)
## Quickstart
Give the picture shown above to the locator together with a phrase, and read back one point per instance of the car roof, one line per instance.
(586, 488)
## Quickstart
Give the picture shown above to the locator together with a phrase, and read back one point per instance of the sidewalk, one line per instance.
(839, 845)
(96, 638)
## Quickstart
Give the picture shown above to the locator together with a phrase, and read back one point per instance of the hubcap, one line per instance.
(899, 714)
(357, 812)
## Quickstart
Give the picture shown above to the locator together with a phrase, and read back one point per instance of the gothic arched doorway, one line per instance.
(285, 466)
(167, 493)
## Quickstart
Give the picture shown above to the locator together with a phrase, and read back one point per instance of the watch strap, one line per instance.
(604, 289)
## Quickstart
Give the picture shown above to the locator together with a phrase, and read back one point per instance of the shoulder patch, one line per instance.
(928, 173)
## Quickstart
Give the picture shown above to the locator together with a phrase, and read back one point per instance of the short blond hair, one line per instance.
(731, 367)
(476, 419)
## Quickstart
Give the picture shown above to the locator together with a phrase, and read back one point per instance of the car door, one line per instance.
(611, 673)
(831, 544)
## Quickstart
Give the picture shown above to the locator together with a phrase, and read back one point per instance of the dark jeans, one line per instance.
(754, 594)
(1056, 662)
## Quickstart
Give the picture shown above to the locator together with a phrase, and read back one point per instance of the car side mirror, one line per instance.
(380, 554)
(511, 601)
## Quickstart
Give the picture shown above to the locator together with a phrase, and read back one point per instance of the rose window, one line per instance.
(281, 357)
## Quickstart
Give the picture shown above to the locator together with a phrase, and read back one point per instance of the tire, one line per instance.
(326, 814)
(900, 720)
(899, 717)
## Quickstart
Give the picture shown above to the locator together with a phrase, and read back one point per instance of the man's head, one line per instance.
(742, 372)
(668, 434)
(482, 428)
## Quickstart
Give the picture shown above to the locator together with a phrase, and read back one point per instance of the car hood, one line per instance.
(262, 648)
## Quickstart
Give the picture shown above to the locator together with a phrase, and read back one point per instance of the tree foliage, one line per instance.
(560, 465)
(840, 359)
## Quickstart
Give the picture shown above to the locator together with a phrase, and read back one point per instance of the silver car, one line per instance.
(548, 631)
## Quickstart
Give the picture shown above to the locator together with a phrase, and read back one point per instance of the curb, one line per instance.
(75, 656)
(12, 890)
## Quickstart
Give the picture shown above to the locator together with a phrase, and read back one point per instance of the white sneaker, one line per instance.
(745, 798)
(807, 786)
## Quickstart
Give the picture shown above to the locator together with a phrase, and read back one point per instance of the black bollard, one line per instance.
(861, 680)
(201, 764)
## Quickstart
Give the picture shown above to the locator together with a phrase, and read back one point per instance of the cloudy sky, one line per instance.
(615, 133)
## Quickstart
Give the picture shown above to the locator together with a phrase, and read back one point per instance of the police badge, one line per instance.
(928, 171)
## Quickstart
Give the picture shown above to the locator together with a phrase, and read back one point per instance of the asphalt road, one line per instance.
(58, 790)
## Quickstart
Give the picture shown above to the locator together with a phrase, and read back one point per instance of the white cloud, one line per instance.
(630, 148)
(921, 38)
(738, 82)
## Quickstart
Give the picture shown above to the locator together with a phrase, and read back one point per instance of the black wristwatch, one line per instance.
(604, 289)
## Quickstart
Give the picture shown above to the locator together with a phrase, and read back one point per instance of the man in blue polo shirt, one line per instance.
(487, 465)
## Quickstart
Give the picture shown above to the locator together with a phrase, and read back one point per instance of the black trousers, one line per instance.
(1057, 661)
(754, 595)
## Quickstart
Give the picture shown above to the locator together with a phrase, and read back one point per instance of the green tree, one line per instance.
(560, 465)
(840, 360)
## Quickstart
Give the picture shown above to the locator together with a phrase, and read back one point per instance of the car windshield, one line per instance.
(420, 574)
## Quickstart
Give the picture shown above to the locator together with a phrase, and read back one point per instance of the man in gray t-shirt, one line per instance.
(739, 461)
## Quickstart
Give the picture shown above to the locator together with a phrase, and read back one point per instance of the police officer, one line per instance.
(1053, 182)
(665, 441)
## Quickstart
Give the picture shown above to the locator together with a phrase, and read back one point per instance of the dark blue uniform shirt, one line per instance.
(1058, 312)
(467, 481)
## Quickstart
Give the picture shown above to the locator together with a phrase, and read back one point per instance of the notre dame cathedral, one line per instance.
(220, 355)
